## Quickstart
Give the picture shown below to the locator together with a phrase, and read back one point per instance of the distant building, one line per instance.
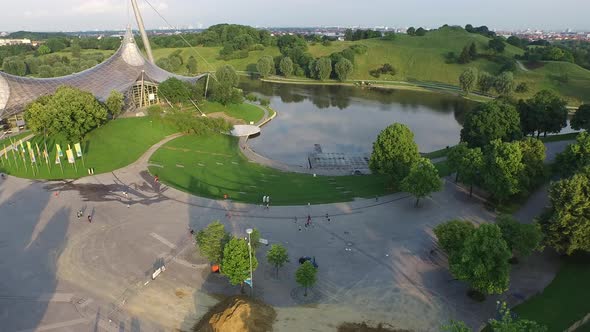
(4, 42)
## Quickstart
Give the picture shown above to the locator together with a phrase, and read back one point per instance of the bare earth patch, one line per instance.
(238, 313)
(363, 327)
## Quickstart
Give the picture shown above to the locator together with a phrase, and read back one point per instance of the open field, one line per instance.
(212, 166)
(565, 300)
(112, 146)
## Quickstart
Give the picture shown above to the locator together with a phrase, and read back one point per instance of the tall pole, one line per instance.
(249, 231)
(144, 38)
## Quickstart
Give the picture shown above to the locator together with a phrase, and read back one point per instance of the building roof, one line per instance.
(119, 72)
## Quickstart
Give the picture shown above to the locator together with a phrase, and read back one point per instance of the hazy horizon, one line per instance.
(70, 15)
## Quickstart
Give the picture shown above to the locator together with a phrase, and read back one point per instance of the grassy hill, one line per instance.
(422, 59)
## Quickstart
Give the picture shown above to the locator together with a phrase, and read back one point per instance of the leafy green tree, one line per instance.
(255, 238)
(485, 82)
(266, 66)
(496, 45)
(69, 112)
(45, 71)
(324, 68)
(211, 241)
(394, 152)
(306, 275)
(533, 157)
(115, 103)
(277, 256)
(508, 323)
(55, 44)
(411, 31)
(483, 261)
(235, 263)
(286, 66)
(192, 65)
(420, 32)
(174, 90)
(581, 119)
(451, 235)
(575, 157)
(15, 66)
(567, 224)
(343, 69)
(165, 64)
(522, 239)
(467, 80)
(467, 163)
(502, 169)
(504, 83)
(545, 113)
(76, 49)
(456, 326)
(464, 56)
(43, 49)
(226, 82)
(490, 121)
(422, 180)
(473, 51)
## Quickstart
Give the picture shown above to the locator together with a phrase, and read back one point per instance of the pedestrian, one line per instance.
(308, 218)
(126, 194)
(300, 228)
(89, 218)
(327, 217)
(156, 179)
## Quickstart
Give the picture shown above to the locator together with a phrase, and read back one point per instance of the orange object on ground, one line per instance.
(215, 268)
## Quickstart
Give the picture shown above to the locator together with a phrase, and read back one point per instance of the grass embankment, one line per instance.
(211, 166)
(114, 145)
(15, 138)
(246, 112)
(565, 300)
(421, 62)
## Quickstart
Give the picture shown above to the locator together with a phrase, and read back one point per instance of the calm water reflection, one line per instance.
(348, 119)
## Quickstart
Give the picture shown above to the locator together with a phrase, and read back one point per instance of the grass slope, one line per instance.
(212, 167)
(565, 300)
(244, 111)
(114, 145)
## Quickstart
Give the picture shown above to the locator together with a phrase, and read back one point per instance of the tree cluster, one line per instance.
(480, 255)
(534, 55)
(360, 34)
(224, 88)
(385, 69)
(50, 65)
(544, 113)
(69, 112)
(177, 91)
(173, 62)
(470, 79)
(396, 154)
(581, 119)
(506, 321)
(468, 54)
(482, 30)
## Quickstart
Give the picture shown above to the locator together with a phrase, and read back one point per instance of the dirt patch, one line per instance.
(237, 313)
(363, 327)
(179, 293)
(226, 117)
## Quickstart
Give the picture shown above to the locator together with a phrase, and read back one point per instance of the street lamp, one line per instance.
(249, 231)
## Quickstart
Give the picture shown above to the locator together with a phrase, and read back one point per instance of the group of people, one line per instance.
(266, 201)
(308, 222)
(80, 213)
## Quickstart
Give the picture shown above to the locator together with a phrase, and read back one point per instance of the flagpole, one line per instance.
(47, 157)
(14, 156)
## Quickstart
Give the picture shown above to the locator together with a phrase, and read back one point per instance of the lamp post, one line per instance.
(249, 231)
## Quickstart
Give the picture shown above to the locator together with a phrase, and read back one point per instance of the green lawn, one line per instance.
(15, 138)
(244, 111)
(211, 166)
(565, 300)
(112, 146)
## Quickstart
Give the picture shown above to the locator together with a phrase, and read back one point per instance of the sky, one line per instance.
(76, 15)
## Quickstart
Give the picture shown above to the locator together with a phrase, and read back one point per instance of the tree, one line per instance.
(165, 64)
(43, 49)
(277, 256)
(496, 45)
(420, 32)
(422, 180)
(550, 111)
(174, 90)
(71, 113)
(502, 169)
(191, 65)
(467, 163)
(394, 152)
(76, 49)
(567, 224)
(575, 157)
(456, 326)
(343, 68)
(508, 322)
(411, 31)
(324, 68)
(473, 51)
(451, 235)
(464, 56)
(483, 261)
(286, 66)
(581, 119)
(490, 121)
(306, 275)
(226, 83)
(266, 66)
(211, 241)
(467, 79)
(115, 103)
(235, 263)
(533, 157)
(504, 84)
(485, 82)
(522, 239)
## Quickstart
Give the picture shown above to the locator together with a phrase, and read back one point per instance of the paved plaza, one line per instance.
(378, 259)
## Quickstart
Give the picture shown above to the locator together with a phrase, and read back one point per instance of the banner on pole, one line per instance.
(57, 160)
(59, 152)
(22, 147)
(70, 155)
(78, 150)
(46, 155)
(32, 155)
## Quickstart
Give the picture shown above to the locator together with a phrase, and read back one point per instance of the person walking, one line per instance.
(89, 218)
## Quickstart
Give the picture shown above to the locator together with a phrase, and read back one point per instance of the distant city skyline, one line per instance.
(71, 15)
